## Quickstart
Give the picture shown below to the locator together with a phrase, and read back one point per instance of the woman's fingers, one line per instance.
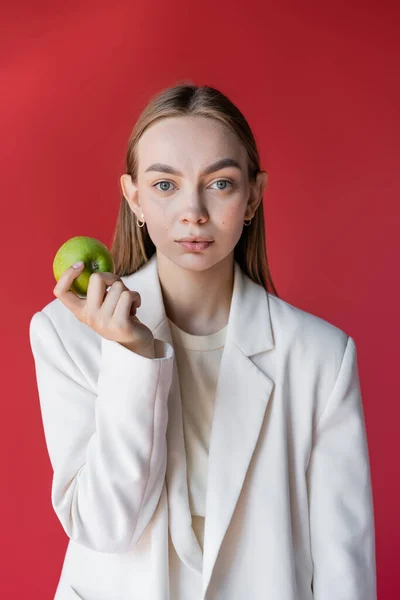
(111, 314)
(125, 307)
(98, 283)
(113, 296)
(62, 291)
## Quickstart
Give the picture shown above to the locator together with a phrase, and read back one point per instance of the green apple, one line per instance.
(95, 255)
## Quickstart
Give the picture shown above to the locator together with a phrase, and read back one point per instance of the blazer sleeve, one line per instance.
(340, 494)
(107, 447)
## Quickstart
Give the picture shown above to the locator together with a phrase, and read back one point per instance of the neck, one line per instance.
(197, 301)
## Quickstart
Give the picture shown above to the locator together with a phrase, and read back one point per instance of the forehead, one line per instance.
(186, 142)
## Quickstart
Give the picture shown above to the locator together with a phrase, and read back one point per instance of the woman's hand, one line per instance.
(112, 313)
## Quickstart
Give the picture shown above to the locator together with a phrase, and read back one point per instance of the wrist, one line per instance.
(146, 351)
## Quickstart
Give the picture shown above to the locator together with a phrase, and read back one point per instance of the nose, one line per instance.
(194, 209)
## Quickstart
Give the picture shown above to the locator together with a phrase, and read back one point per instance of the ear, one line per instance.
(131, 194)
(257, 192)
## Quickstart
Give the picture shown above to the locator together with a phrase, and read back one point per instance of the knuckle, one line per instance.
(90, 319)
(58, 288)
(118, 285)
(95, 276)
(101, 323)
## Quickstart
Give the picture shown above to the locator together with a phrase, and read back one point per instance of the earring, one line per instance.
(141, 225)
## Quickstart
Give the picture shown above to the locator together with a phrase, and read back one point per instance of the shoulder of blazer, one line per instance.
(310, 349)
(58, 326)
(307, 338)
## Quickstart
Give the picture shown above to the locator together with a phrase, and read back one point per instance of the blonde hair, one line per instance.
(131, 245)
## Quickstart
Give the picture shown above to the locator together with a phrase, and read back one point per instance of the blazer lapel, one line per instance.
(242, 396)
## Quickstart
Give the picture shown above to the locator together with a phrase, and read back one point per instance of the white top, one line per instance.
(198, 359)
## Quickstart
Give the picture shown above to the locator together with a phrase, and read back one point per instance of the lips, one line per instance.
(195, 246)
(190, 239)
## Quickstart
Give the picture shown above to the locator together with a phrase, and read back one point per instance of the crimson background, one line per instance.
(318, 83)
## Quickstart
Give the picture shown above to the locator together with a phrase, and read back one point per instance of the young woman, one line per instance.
(207, 438)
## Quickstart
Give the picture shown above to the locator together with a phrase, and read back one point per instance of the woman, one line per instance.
(207, 438)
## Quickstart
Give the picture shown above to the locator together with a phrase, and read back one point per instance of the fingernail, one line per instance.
(78, 264)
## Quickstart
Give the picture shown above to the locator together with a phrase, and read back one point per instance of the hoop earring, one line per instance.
(141, 225)
(137, 222)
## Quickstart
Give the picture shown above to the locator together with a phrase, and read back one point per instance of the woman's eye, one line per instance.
(162, 182)
(167, 182)
(222, 181)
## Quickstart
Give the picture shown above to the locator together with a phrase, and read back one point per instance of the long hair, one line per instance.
(131, 245)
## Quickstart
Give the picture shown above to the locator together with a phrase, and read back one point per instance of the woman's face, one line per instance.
(212, 205)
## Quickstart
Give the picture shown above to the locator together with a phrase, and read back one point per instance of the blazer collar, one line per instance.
(249, 324)
(242, 396)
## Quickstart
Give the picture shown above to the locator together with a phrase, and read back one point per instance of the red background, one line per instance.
(318, 83)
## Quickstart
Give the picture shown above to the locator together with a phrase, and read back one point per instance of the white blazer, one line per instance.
(289, 509)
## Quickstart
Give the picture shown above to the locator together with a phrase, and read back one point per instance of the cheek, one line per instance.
(231, 219)
(156, 213)
(158, 224)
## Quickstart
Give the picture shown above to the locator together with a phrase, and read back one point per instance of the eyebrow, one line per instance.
(217, 166)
